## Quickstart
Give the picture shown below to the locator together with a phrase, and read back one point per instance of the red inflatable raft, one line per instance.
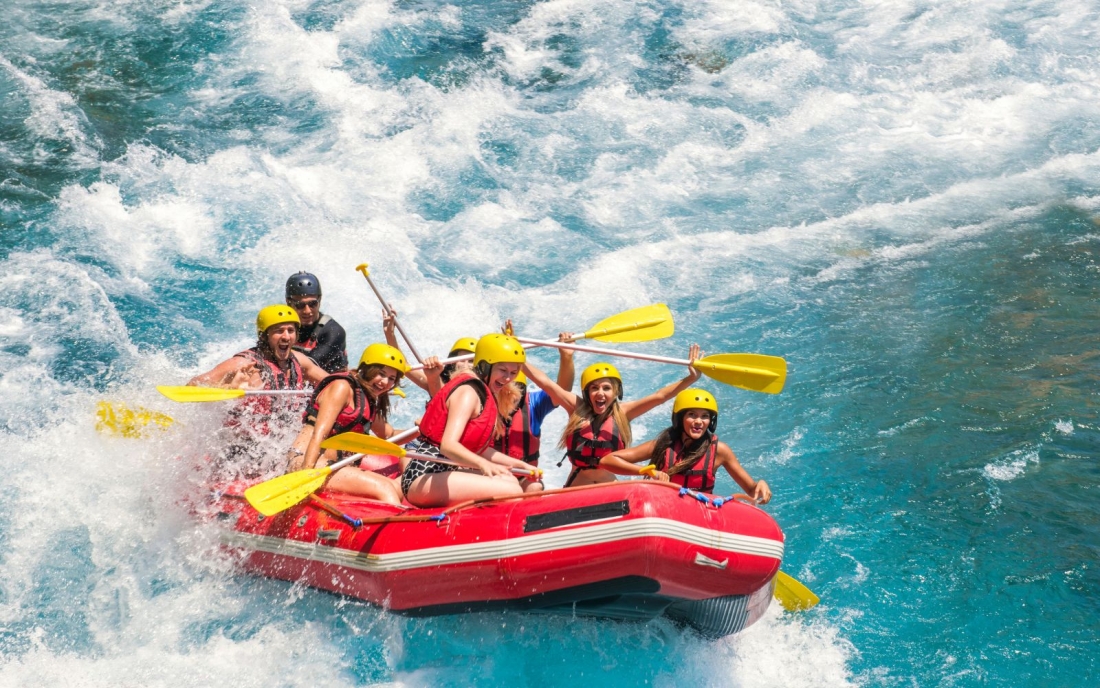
(625, 550)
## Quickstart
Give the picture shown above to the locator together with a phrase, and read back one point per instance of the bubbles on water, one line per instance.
(1012, 466)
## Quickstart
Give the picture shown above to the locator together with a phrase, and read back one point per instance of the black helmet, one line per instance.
(303, 284)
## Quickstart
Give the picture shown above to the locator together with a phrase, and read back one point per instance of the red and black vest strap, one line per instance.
(361, 402)
(701, 474)
(585, 452)
(273, 376)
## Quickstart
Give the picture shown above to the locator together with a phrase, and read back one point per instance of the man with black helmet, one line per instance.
(320, 337)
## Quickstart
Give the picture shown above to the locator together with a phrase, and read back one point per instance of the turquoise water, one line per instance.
(899, 198)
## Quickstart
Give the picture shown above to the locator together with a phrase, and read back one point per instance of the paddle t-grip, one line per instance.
(363, 268)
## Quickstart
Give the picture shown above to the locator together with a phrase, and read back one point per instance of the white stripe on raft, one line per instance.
(512, 547)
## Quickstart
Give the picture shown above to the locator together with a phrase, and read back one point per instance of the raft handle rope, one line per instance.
(715, 502)
(330, 508)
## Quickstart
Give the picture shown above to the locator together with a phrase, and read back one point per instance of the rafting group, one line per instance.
(480, 433)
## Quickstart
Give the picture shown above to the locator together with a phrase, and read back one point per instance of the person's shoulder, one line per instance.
(327, 322)
(723, 451)
(540, 401)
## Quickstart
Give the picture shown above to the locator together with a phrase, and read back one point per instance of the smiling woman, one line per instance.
(598, 422)
(352, 401)
(460, 423)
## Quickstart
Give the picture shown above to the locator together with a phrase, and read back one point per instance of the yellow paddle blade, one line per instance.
(362, 444)
(792, 594)
(113, 418)
(279, 494)
(190, 394)
(636, 325)
(755, 372)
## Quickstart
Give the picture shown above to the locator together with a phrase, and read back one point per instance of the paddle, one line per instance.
(115, 418)
(792, 594)
(186, 394)
(279, 494)
(755, 372)
(354, 441)
(636, 325)
(362, 267)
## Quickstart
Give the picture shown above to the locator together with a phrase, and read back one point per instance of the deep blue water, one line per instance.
(901, 199)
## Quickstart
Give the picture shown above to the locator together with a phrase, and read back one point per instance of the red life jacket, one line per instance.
(258, 411)
(479, 429)
(700, 476)
(518, 441)
(584, 450)
(354, 418)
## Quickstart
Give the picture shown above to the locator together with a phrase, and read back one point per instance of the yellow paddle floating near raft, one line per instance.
(115, 418)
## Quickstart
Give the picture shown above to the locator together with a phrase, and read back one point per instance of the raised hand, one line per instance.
(694, 354)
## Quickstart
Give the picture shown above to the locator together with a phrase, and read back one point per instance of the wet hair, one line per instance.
(264, 346)
(675, 434)
(583, 413)
(380, 407)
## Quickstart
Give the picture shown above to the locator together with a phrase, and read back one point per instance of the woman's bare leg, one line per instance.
(356, 481)
(441, 489)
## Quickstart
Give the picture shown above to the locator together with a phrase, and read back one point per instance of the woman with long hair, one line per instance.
(459, 425)
(599, 422)
(353, 401)
(688, 452)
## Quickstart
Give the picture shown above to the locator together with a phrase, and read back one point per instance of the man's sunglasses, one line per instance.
(310, 303)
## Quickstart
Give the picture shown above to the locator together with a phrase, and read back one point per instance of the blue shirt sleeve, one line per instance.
(541, 405)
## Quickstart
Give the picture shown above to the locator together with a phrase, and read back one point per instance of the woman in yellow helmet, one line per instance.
(459, 424)
(599, 423)
(352, 401)
(688, 452)
(522, 436)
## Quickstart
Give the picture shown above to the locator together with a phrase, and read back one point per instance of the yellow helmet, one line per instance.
(498, 348)
(694, 398)
(520, 379)
(463, 344)
(384, 354)
(599, 370)
(276, 315)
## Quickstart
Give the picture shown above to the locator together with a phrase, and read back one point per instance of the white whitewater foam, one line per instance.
(1012, 466)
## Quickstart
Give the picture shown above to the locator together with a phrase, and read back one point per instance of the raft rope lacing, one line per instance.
(442, 517)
